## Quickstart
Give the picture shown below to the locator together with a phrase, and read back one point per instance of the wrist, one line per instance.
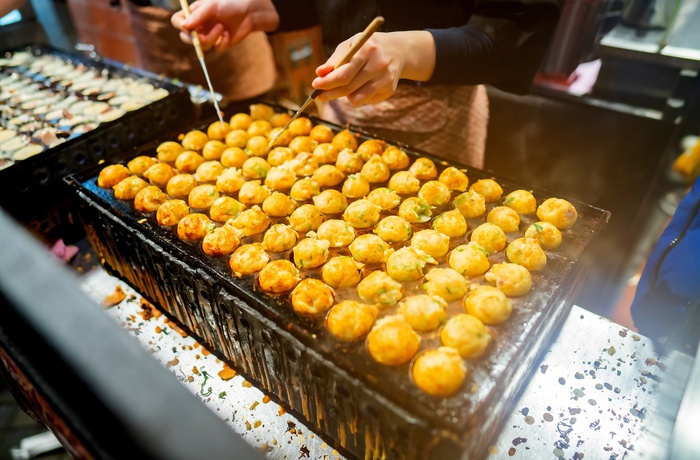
(418, 50)
(263, 15)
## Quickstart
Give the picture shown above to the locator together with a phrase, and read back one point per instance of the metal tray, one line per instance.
(369, 409)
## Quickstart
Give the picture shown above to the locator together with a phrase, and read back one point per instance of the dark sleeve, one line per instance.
(296, 14)
(502, 44)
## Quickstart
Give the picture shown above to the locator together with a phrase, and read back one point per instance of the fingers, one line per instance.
(186, 37)
(209, 38)
(223, 42)
(373, 91)
(201, 13)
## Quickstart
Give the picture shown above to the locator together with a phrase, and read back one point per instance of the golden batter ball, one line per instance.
(248, 259)
(361, 213)
(278, 120)
(279, 156)
(252, 192)
(526, 252)
(328, 176)
(194, 140)
(171, 212)
(404, 182)
(384, 198)
(279, 238)
(370, 148)
(407, 264)
(181, 185)
(489, 236)
(312, 297)
(415, 210)
(220, 242)
(393, 229)
(395, 158)
(450, 223)
(303, 164)
(112, 175)
(259, 128)
(344, 140)
(218, 130)
(378, 288)
(337, 232)
(355, 186)
(306, 218)
(546, 234)
(261, 112)
(278, 276)
(445, 283)
(225, 208)
(435, 193)
(558, 212)
(341, 271)
(237, 138)
(439, 372)
(209, 171)
(350, 320)
(256, 146)
(392, 341)
(251, 221)
(278, 205)
(233, 157)
(169, 151)
(302, 144)
(521, 201)
(454, 179)
(188, 161)
(279, 178)
(213, 150)
(279, 137)
(331, 202)
(368, 249)
(230, 181)
(504, 217)
(375, 170)
(194, 227)
(127, 188)
(256, 168)
(159, 174)
(321, 134)
(140, 164)
(304, 189)
(467, 335)
(240, 121)
(325, 153)
(488, 304)
(149, 199)
(423, 169)
(423, 312)
(512, 279)
(349, 162)
(431, 242)
(202, 196)
(311, 253)
(469, 259)
(488, 188)
(470, 204)
(302, 126)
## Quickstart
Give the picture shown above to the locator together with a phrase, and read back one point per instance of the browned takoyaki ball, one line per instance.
(140, 164)
(450, 223)
(368, 249)
(341, 271)
(415, 210)
(171, 212)
(349, 162)
(504, 217)
(303, 164)
(546, 234)
(423, 169)
(194, 140)
(169, 151)
(337, 232)
(370, 148)
(445, 283)
(395, 158)
(127, 188)
(526, 252)
(379, 289)
(489, 236)
(331, 202)
(467, 335)
(470, 204)
(488, 188)
(431, 242)
(218, 130)
(194, 227)
(248, 259)
(312, 297)
(149, 199)
(392, 341)
(252, 192)
(512, 279)
(279, 178)
(257, 146)
(213, 150)
(439, 372)
(240, 121)
(279, 238)
(311, 253)
(279, 156)
(328, 176)
(321, 134)
(237, 138)
(435, 193)
(202, 196)
(454, 179)
(407, 264)
(250, 222)
(225, 208)
(230, 181)
(522, 201)
(361, 213)
(375, 170)
(325, 154)
(404, 182)
(221, 241)
(278, 120)
(259, 128)
(302, 144)
(355, 186)
(305, 218)
(189, 161)
(344, 140)
(209, 171)
(304, 189)
(469, 259)
(302, 126)
(278, 205)
(394, 229)
(112, 175)
(558, 212)
(279, 137)
(488, 304)
(159, 174)
(261, 112)
(350, 320)
(255, 168)
(278, 276)
(384, 198)
(423, 312)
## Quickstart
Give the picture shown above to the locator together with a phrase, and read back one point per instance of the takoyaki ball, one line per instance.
(304, 189)
(159, 174)
(169, 151)
(350, 320)
(321, 134)
(512, 279)
(112, 175)
(393, 229)
(127, 188)
(361, 214)
(489, 236)
(181, 185)
(306, 218)
(140, 164)
(278, 205)
(488, 304)
(341, 271)
(344, 140)
(328, 176)
(278, 276)
(218, 130)
(213, 150)
(279, 178)
(415, 210)
(469, 259)
(546, 234)
(222, 241)
(558, 212)
(384, 198)
(435, 193)
(230, 181)
(395, 158)
(240, 121)
(454, 179)
(302, 126)
(349, 162)
(330, 202)
(278, 120)
(337, 232)
(522, 201)
(325, 153)
(225, 208)
(279, 156)
(439, 372)
(279, 238)
(255, 168)
(355, 186)
(171, 212)
(423, 312)
(312, 297)
(311, 253)
(526, 252)
(280, 137)
(378, 288)
(392, 341)
(149, 199)
(504, 217)
(375, 170)
(248, 259)
(189, 161)
(256, 146)
(450, 223)
(423, 169)
(237, 138)
(261, 112)
(370, 148)
(209, 171)
(368, 249)
(445, 283)
(488, 188)
(202, 196)
(404, 182)
(302, 144)
(194, 140)
(259, 128)
(466, 334)
(431, 242)
(252, 192)
(194, 227)
(407, 264)
(470, 204)
(250, 222)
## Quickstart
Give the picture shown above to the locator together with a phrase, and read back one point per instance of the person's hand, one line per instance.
(372, 75)
(225, 23)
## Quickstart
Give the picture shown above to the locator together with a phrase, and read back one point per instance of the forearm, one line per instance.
(419, 54)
